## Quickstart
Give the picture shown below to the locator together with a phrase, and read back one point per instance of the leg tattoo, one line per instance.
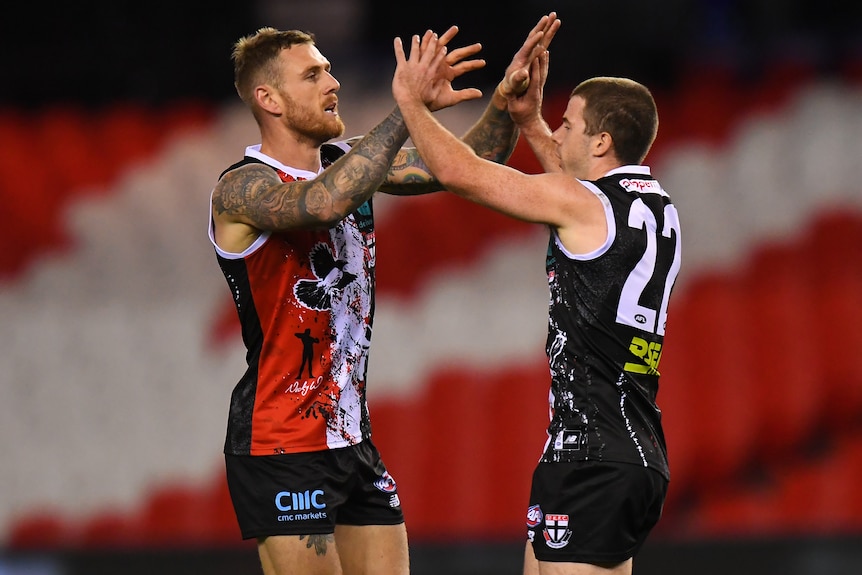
(318, 542)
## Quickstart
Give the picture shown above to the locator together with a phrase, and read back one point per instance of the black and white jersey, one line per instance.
(606, 327)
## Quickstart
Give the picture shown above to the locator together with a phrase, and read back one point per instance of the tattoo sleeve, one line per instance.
(493, 136)
(411, 174)
(255, 194)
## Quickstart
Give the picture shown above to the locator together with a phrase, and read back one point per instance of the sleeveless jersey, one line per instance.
(607, 316)
(305, 300)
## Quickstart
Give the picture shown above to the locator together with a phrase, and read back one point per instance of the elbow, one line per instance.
(454, 175)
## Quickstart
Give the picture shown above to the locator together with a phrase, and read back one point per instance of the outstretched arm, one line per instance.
(494, 135)
(526, 111)
(523, 88)
(252, 198)
(456, 165)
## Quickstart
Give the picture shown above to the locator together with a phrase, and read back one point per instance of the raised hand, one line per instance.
(517, 75)
(428, 73)
(524, 80)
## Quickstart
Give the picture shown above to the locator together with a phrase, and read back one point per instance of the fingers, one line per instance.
(400, 57)
(550, 30)
(462, 53)
(464, 67)
(465, 94)
(448, 35)
(539, 72)
(427, 48)
(543, 23)
(528, 48)
(543, 65)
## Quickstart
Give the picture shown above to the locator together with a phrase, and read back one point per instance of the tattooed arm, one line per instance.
(252, 198)
(494, 135)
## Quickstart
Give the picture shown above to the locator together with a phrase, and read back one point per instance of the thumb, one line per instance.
(516, 83)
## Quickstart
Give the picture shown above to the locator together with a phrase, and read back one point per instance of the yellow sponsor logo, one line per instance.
(649, 352)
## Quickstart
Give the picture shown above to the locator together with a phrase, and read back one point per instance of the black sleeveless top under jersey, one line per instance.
(606, 327)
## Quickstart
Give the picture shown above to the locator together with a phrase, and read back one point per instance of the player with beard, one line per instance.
(293, 230)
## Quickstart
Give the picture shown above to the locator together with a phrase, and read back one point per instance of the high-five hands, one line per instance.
(517, 76)
(524, 80)
(427, 74)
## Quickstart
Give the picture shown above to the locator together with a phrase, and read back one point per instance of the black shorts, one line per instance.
(592, 512)
(309, 493)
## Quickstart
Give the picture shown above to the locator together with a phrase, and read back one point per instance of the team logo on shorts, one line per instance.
(534, 516)
(557, 532)
(386, 483)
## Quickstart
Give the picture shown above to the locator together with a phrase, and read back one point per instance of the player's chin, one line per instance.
(333, 128)
(338, 127)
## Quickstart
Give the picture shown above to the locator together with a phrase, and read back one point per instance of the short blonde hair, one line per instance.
(254, 58)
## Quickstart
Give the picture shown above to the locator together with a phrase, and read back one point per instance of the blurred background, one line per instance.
(120, 344)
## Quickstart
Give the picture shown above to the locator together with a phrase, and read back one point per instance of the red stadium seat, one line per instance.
(677, 392)
(41, 530)
(127, 134)
(834, 255)
(115, 529)
(786, 387)
(65, 139)
(719, 377)
(740, 512)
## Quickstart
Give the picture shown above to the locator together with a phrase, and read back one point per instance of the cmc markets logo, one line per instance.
(303, 505)
(299, 501)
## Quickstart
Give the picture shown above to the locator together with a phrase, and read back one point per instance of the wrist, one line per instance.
(532, 124)
(499, 99)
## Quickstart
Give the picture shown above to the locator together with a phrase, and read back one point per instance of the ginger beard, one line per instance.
(312, 123)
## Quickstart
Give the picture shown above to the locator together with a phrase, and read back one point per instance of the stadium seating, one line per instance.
(761, 389)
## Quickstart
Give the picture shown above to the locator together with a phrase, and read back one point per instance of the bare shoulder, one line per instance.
(574, 189)
(565, 201)
(242, 186)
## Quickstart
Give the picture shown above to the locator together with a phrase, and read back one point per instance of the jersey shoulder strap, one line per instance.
(329, 153)
(245, 161)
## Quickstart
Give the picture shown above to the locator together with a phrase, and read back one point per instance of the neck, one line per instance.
(601, 167)
(291, 150)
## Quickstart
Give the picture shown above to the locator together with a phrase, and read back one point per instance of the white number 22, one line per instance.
(630, 312)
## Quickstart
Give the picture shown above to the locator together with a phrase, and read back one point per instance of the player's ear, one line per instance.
(603, 144)
(266, 99)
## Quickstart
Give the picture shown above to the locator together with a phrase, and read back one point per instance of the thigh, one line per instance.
(373, 549)
(533, 566)
(299, 554)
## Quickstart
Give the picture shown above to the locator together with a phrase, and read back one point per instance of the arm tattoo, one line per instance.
(319, 542)
(494, 136)
(256, 195)
(411, 174)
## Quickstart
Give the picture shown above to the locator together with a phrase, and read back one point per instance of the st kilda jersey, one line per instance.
(305, 300)
(607, 316)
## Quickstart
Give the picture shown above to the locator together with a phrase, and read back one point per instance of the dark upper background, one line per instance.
(97, 52)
